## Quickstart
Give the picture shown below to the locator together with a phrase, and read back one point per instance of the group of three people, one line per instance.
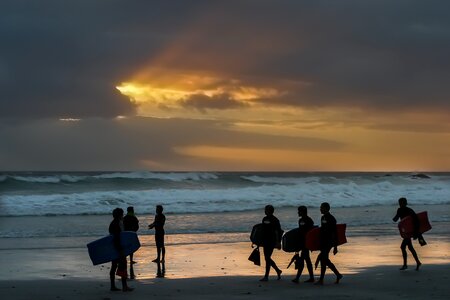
(131, 223)
(328, 240)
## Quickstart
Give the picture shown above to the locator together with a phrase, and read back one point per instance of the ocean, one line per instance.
(205, 204)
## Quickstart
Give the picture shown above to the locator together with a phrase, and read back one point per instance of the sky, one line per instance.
(225, 85)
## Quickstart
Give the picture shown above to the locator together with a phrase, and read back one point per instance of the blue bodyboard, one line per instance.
(102, 250)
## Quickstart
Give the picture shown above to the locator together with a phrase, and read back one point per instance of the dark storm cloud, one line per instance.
(203, 102)
(65, 59)
(109, 144)
(61, 58)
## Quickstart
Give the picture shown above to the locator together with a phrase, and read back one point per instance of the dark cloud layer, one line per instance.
(108, 144)
(61, 59)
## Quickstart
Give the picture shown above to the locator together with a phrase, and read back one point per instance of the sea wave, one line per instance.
(70, 178)
(209, 199)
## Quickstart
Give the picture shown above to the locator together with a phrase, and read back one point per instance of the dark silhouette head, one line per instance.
(302, 211)
(130, 209)
(268, 210)
(402, 202)
(117, 213)
(324, 207)
(159, 209)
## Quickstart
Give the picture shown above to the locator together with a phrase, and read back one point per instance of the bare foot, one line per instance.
(319, 282)
(127, 289)
(309, 280)
(295, 280)
(404, 267)
(264, 279)
(156, 260)
(338, 278)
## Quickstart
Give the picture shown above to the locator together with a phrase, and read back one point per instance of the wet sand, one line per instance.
(222, 271)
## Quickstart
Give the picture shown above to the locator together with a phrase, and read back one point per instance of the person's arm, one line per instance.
(397, 216)
(152, 225)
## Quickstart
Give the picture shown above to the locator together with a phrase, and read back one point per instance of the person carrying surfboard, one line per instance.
(271, 239)
(305, 224)
(118, 266)
(402, 212)
(328, 240)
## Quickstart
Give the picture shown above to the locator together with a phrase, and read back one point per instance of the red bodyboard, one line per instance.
(313, 237)
(406, 226)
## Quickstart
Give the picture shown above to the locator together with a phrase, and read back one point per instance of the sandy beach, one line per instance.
(222, 271)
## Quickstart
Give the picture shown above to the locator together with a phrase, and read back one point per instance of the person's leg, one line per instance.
(131, 267)
(267, 254)
(158, 254)
(122, 267)
(157, 259)
(307, 258)
(404, 254)
(335, 270)
(414, 254)
(323, 264)
(163, 254)
(112, 274)
(274, 265)
(300, 263)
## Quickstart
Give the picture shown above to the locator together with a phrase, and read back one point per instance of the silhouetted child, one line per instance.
(158, 224)
(131, 223)
(402, 212)
(118, 266)
(305, 224)
(328, 240)
(271, 239)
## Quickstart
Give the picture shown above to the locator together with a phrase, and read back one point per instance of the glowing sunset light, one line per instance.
(180, 88)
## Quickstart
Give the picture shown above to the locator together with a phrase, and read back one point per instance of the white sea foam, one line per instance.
(181, 200)
(38, 179)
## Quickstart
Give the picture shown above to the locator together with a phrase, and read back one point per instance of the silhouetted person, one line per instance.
(131, 223)
(328, 240)
(158, 224)
(305, 224)
(119, 265)
(271, 239)
(402, 212)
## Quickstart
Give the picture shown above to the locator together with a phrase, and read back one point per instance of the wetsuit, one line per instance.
(271, 237)
(328, 240)
(403, 212)
(305, 224)
(160, 220)
(130, 223)
(120, 264)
